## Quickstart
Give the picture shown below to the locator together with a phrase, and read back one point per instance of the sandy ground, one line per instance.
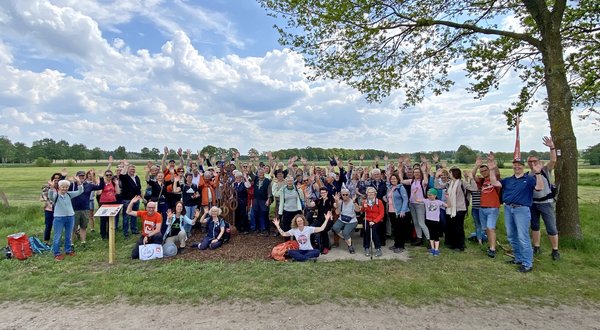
(255, 315)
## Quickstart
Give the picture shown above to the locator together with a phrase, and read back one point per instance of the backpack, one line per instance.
(280, 250)
(19, 246)
(553, 189)
(38, 246)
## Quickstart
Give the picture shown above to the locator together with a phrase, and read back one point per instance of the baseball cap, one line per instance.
(80, 173)
(519, 160)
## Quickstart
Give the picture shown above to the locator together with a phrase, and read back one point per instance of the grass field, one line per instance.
(471, 276)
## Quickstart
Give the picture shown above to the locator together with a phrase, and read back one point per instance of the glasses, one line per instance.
(345, 195)
(108, 174)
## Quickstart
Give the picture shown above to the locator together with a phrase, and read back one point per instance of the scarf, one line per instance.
(452, 193)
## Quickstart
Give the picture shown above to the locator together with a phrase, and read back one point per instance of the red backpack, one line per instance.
(19, 245)
(280, 250)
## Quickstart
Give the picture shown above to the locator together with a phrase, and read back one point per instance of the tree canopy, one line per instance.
(378, 46)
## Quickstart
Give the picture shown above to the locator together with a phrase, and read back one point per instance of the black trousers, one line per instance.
(401, 228)
(455, 230)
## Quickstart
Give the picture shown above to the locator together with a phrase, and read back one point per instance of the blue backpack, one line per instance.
(37, 246)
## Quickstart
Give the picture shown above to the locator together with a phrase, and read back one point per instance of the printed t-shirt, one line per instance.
(149, 222)
(303, 237)
(432, 209)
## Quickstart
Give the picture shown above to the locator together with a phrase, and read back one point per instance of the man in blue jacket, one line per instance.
(81, 204)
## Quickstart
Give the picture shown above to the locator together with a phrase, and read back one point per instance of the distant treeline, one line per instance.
(48, 150)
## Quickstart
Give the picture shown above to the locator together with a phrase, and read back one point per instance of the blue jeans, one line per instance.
(261, 215)
(189, 211)
(129, 220)
(479, 229)
(48, 218)
(303, 255)
(517, 221)
(488, 216)
(62, 224)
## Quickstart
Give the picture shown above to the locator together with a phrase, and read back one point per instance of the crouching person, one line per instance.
(214, 231)
(301, 232)
(176, 223)
(151, 221)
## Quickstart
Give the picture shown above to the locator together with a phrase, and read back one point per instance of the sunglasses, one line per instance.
(108, 174)
(345, 195)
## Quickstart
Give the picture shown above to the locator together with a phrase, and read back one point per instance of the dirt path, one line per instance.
(254, 315)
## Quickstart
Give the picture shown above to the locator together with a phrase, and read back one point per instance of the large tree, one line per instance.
(378, 46)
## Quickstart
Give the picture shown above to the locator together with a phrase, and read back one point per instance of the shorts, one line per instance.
(546, 210)
(82, 218)
(488, 216)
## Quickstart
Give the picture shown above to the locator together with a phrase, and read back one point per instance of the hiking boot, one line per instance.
(325, 251)
(59, 257)
(491, 253)
(398, 250)
(555, 255)
(537, 250)
(378, 253)
(367, 253)
(351, 249)
(523, 269)
(418, 242)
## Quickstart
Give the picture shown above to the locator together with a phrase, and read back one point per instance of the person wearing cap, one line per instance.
(151, 223)
(489, 206)
(543, 203)
(517, 195)
(432, 220)
(81, 205)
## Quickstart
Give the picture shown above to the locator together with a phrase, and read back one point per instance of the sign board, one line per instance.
(108, 210)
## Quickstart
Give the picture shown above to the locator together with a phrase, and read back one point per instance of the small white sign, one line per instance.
(108, 210)
(150, 251)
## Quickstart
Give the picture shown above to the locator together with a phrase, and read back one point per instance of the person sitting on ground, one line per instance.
(175, 232)
(215, 229)
(64, 216)
(301, 232)
(151, 223)
(346, 223)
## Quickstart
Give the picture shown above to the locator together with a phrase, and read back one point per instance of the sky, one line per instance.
(152, 73)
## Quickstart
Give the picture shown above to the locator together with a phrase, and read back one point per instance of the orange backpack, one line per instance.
(280, 250)
(19, 246)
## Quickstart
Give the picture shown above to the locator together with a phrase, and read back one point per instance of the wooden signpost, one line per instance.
(110, 211)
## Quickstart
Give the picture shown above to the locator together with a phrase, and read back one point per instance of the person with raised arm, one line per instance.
(517, 195)
(301, 231)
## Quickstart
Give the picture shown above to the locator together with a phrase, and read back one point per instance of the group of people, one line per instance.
(411, 203)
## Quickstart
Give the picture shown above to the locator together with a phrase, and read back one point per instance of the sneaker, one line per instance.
(59, 257)
(351, 249)
(325, 251)
(367, 253)
(71, 254)
(523, 269)
(398, 250)
(513, 262)
(491, 253)
(555, 255)
(435, 253)
(378, 253)
(537, 250)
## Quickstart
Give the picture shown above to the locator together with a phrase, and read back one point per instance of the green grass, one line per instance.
(470, 275)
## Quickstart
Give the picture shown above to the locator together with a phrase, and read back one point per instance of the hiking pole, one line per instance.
(371, 245)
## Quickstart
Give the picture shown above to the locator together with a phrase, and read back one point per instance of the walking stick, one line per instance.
(371, 245)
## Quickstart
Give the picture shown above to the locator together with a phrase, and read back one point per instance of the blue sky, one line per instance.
(190, 73)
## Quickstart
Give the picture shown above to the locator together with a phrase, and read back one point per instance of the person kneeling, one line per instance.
(215, 229)
(176, 222)
(301, 232)
(151, 221)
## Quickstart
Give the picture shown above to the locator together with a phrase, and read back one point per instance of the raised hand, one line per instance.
(169, 213)
(478, 161)
(110, 159)
(166, 151)
(435, 157)
(276, 222)
(548, 142)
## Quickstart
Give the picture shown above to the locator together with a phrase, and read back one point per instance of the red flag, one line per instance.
(517, 153)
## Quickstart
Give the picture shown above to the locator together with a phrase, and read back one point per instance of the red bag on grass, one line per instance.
(19, 246)
(280, 250)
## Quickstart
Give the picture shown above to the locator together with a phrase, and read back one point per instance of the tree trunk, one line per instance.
(559, 114)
